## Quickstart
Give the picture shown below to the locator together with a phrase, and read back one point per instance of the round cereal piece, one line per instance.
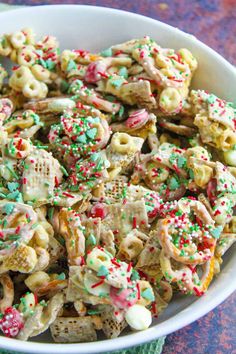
(156, 173)
(17, 39)
(18, 148)
(122, 143)
(230, 157)
(32, 89)
(188, 58)
(138, 317)
(27, 56)
(30, 35)
(162, 61)
(170, 100)
(20, 78)
(227, 140)
(40, 73)
(97, 258)
(5, 46)
(14, 55)
(44, 90)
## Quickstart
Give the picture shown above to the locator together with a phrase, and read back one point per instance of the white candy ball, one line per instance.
(138, 317)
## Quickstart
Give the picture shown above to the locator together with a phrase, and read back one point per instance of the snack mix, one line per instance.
(117, 186)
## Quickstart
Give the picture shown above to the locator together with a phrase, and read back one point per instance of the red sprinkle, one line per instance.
(129, 267)
(138, 288)
(113, 261)
(56, 181)
(97, 284)
(68, 195)
(134, 222)
(197, 292)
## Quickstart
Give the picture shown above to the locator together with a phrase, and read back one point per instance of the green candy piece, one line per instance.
(71, 65)
(147, 294)
(174, 184)
(216, 232)
(123, 72)
(106, 53)
(91, 240)
(117, 83)
(82, 139)
(91, 133)
(12, 186)
(8, 208)
(181, 161)
(102, 271)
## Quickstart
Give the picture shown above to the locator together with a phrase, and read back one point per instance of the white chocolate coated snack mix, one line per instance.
(117, 186)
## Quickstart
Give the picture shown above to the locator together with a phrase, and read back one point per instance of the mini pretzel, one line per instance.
(177, 128)
(192, 253)
(186, 277)
(88, 96)
(8, 292)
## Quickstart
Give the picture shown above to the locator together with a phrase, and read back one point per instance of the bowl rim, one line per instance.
(173, 323)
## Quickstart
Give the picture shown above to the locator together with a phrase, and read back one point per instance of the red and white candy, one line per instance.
(137, 119)
(95, 71)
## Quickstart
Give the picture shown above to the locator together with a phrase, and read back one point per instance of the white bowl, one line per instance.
(94, 28)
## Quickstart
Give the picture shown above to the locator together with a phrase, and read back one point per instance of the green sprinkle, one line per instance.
(182, 253)
(121, 111)
(63, 170)
(50, 213)
(93, 312)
